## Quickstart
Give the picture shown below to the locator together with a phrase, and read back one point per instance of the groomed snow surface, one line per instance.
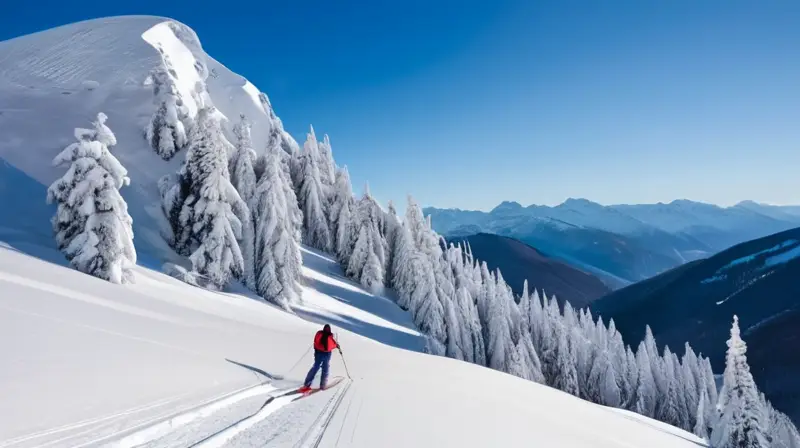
(160, 363)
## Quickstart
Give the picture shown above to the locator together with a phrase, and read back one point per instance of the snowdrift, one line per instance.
(161, 363)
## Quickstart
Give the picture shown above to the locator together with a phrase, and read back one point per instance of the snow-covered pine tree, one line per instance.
(783, 431)
(92, 224)
(700, 427)
(586, 353)
(430, 314)
(569, 317)
(200, 206)
(368, 261)
(454, 345)
(446, 291)
(471, 337)
(632, 370)
(603, 381)
(485, 295)
(278, 260)
(532, 360)
(391, 226)
(526, 339)
(346, 226)
(657, 363)
(472, 325)
(525, 305)
(686, 420)
(710, 383)
(372, 276)
(166, 132)
(341, 215)
(690, 370)
(415, 222)
(243, 178)
(498, 334)
(536, 321)
(361, 252)
(619, 361)
(369, 210)
(743, 420)
(402, 275)
(600, 336)
(550, 326)
(281, 144)
(565, 377)
(312, 198)
(668, 410)
(646, 393)
(277, 138)
(327, 167)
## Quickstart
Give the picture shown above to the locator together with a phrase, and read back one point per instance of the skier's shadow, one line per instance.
(269, 376)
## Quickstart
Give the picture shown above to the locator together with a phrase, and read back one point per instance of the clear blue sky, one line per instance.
(464, 104)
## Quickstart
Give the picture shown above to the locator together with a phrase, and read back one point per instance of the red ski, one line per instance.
(333, 383)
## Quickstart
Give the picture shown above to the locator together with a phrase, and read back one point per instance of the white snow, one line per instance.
(166, 427)
(768, 262)
(163, 38)
(751, 257)
(79, 370)
(785, 257)
(87, 362)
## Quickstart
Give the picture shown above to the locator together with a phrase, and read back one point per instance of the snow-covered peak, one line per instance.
(579, 203)
(56, 80)
(686, 204)
(585, 213)
(508, 207)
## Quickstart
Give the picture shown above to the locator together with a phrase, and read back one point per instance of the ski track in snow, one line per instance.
(251, 418)
(185, 428)
(190, 434)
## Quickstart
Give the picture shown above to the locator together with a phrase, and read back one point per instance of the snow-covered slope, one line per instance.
(88, 363)
(160, 363)
(59, 79)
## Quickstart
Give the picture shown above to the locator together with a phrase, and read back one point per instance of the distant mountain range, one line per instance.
(622, 244)
(758, 280)
(519, 262)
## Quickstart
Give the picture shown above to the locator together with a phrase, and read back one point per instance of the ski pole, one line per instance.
(345, 365)
(298, 362)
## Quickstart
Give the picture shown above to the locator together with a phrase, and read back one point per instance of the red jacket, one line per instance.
(332, 344)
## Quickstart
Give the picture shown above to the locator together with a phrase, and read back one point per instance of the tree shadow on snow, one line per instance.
(320, 261)
(373, 304)
(378, 306)
(384, 335)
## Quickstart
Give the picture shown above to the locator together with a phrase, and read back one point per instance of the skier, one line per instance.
(323, 346)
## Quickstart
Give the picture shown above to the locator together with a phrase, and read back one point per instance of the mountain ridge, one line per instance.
(589, 235)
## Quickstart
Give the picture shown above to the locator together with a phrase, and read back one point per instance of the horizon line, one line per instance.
(580, 199)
